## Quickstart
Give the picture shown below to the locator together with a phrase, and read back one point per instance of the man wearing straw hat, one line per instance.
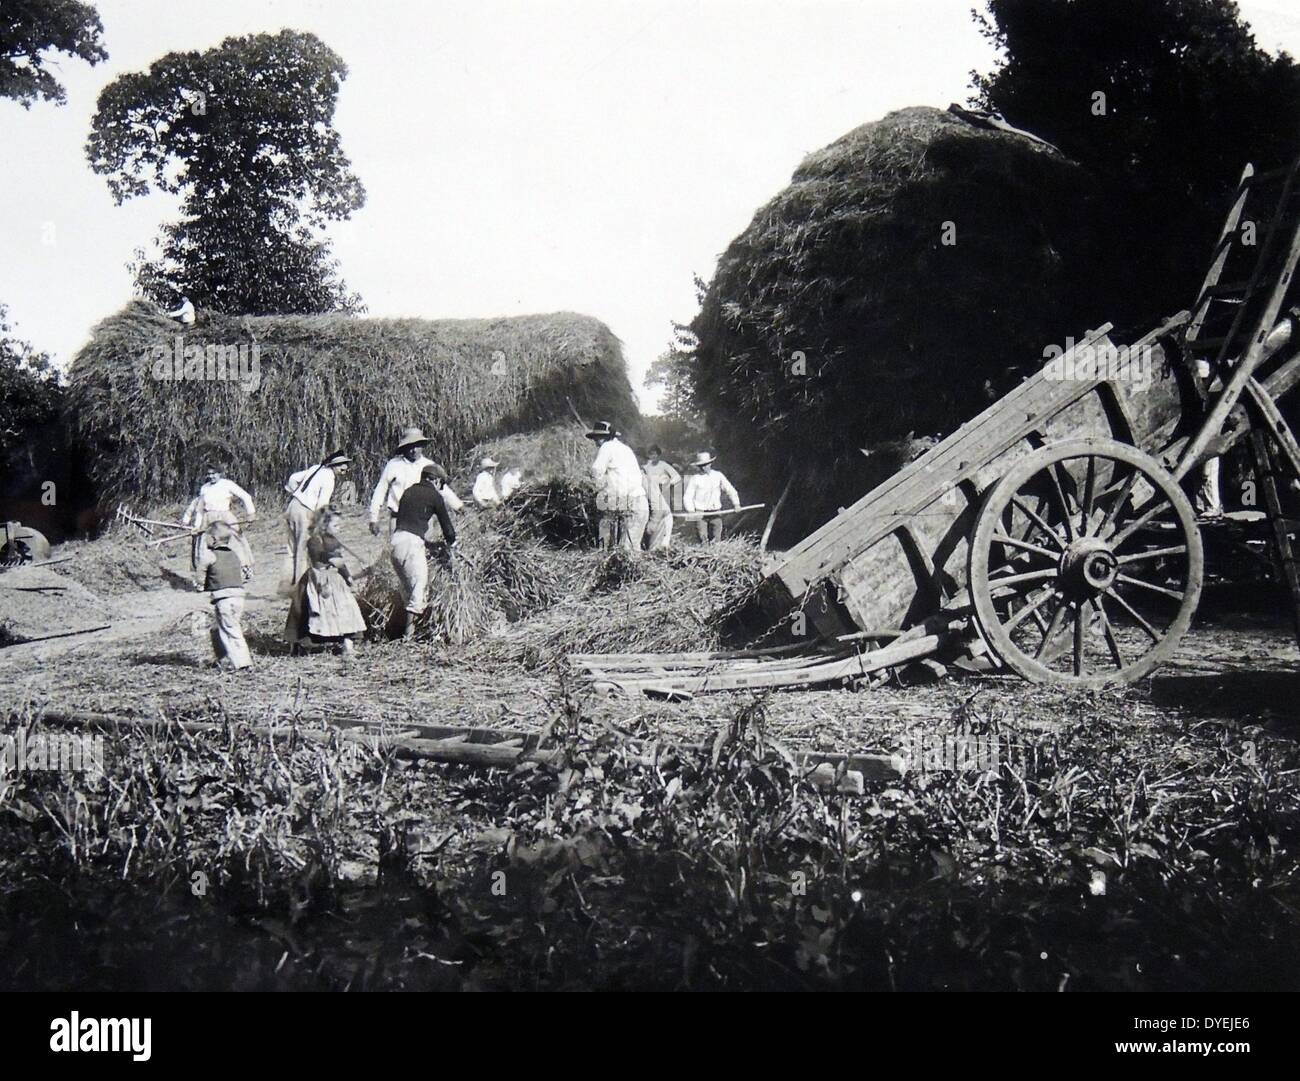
(485, 491)
(621, 499)
(409, 555)
(215, 503)
(402, 470)
(221, 572)
(309, 491)
(704, 491)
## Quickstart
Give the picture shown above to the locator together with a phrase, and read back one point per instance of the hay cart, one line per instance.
(1051, 533)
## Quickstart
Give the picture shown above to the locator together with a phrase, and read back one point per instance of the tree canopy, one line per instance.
(29, 387)
(32, 29)
(244, 134)
(1165, 101)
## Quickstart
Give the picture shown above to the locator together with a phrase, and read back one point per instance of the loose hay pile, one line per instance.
(906, 263)
(321, 382)
(35, 603)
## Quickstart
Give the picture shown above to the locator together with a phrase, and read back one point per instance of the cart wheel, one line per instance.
(1085, 565)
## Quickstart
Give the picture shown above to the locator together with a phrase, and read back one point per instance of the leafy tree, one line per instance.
(31, 29)
(1165, 100)
(29, 388)
(244, 134)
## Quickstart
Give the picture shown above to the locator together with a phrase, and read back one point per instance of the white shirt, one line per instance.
(510, 483)
(617, 471)
(704, 492)
(659, 478)
(185, 313)
(316, 493)
(485, 490)
(213, 504)
(398, 475)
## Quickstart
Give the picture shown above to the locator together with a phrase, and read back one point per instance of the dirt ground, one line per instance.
(1239, 664)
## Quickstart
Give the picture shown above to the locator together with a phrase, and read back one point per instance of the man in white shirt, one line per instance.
(659, 480)
(215, 503)
(485, 484)
(309, 491)
(511, 481)
(183, 312)
(704, 493)
(620, 499)
(401, 471)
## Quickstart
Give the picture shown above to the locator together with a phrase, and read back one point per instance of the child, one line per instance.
(222, 571)
(323, 608)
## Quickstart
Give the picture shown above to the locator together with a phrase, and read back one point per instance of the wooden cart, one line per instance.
(1054, 526)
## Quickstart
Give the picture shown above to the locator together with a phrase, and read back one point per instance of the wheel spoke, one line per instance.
(1058, 618)
(1025, 546)
(1108, 632)
(1089, 492)
(1065, 503)
(1027, 576)
(1154, 553)
(1078, 639)
(1113, 512)
(1151, 586)
(1035, 517)
(1151, 513)
(1031, 609)
(1135, 615)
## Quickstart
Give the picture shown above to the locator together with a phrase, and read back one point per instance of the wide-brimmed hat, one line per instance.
(337, 458)
(489, 462)
(411, 437)
(219, 532)
(704, 458)
(602, 429)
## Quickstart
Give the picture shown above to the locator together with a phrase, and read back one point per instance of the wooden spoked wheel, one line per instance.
(1085, 565)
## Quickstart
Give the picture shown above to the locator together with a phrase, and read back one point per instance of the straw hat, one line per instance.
(602, 430)
(337, 458)
(411, 437)
(489, 463)
(703, 458)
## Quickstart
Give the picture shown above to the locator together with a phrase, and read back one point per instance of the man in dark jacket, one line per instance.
(419, 503)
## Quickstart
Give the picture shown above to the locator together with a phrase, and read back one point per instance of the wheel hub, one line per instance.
(1088, 567)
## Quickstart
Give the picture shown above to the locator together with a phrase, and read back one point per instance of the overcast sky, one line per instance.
(518, 157)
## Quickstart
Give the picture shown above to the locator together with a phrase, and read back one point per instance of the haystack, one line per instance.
(153, 402)
(907, 263)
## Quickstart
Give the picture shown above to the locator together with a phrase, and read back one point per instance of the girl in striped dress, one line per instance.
(324, 610)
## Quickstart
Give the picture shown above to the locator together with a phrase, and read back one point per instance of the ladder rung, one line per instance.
(1229, 289)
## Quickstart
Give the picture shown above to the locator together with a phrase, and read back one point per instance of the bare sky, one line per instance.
(583, 155)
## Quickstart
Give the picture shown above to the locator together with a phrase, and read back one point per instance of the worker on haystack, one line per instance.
(309, 491)
(213, 503)
(409, 553)
(324, 611)
(485, 491)
(511, 481)
(704, 491)
(620, 496)
(659, 480)
(402, 470)
(183, 312)
(222, 572)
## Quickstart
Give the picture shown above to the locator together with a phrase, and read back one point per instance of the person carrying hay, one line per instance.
(659, 480)
(704, 491)
(215, 502)
(402, 470)
(485, 491)
(409, 554)
(309, 491)
(221, 572)
(620, 498)
(323, 610)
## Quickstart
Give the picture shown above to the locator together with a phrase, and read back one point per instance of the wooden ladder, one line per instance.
(1250, 276)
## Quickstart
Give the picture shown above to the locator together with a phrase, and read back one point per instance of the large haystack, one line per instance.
(840, 319)
(322, 382)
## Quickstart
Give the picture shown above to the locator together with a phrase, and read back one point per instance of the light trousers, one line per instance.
(228, 632)
(297, 521)
(412, 567)
(623, 520)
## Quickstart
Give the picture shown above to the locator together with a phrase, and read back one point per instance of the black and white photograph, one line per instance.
(684, 495)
